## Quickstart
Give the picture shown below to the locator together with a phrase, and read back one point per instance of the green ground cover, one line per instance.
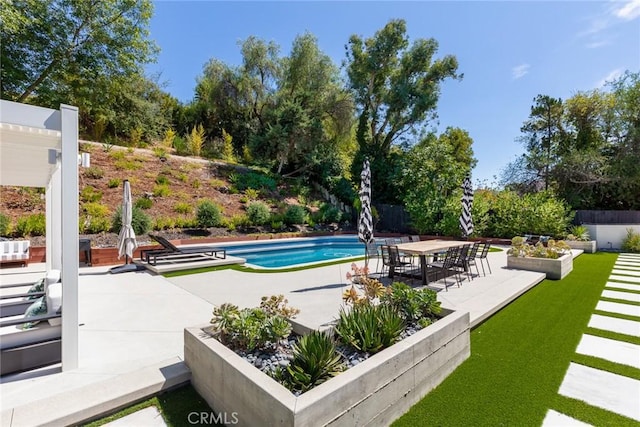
(519, 358)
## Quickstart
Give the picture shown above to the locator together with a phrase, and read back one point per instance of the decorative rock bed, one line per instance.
(375, 391)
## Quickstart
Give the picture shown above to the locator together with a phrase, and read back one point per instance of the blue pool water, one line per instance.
(289, 252)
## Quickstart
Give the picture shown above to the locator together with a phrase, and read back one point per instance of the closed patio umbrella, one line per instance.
(127, 243)
(466, 221)
(365, 220)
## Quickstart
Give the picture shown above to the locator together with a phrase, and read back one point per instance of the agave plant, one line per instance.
(315, 360)
(579, 232)
(370, 328)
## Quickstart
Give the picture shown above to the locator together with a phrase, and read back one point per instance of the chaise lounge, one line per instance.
(172, 252)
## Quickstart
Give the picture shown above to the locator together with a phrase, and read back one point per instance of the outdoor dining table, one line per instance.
(425, 248)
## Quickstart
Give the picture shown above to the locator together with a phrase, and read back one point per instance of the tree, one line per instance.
(49, 43)
(396, 89)
(543, 135)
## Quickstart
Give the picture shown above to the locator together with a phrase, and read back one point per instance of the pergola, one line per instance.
(39, 148)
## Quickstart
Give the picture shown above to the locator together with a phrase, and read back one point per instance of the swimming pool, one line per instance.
(295, 252)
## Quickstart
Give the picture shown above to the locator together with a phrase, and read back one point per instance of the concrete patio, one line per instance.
(131, 329)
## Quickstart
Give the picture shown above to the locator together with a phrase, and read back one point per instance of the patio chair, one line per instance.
(482, 256)
(396, 263)
(371, 252)
(472, 256)
(415, 238)
(171, 251)
(447, 265)
(462, 262)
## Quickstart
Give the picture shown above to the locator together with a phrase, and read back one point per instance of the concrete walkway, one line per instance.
(131, 328)
(603, 389)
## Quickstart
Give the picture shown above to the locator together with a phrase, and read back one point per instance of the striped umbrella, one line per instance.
(365, 221)
(466, 222)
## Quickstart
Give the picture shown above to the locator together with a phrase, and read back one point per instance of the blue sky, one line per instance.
(509, 51)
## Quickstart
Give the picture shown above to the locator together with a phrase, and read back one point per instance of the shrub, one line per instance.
(95, 209)
(195, 140)
(295, 214)
(195, 183)
(90, 194)
(164, 223)
(419, 305)
(162, 179)
(237, 221)
(254, 180)
(183, 208)
(579, 233)
(31, 225)
(329, 213)
(4, 225)
(208, 214)
(369, 328)
(161, 190)
(93, 172)
(181, 146)
(114, 183)
(258, 213)
(631, 243)
(126, 164)
(553, 250)
(140, 221)
(93, 224)
(117, 155)
(315, 360)
(143, 203)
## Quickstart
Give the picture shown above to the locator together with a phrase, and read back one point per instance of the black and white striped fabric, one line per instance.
(365, 221)
(466, 221)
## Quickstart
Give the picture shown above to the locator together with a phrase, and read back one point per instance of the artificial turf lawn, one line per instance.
(519, 358)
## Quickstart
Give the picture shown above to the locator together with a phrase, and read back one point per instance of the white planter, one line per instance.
(375, 392)
(554, 268)
(589, 247)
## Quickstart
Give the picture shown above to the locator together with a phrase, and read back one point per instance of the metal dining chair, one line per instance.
(447, 265)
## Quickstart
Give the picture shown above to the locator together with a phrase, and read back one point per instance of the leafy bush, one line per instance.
(93, 172)
(413, 304)
(237, 221)
(90, 194)
(258, 213)
(181, 146)
(369, 328)
(295, 214)
(183, 208)
(126, 164)
(95, 209)
(208, 214)
(315, 360)
(195, 183)
(328, 214)
(140, 221)
(4, 225)
(162, 179)
(31, 225)
(254, 180)
(143, 203)
(195, 140)
(114, 183)
(631, 243)
(117, 155)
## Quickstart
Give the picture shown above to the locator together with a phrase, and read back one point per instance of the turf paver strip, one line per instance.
(619, 285)
(621, 326)
(621, 295)
(629, 264)
(147, 417)
(603, 389)
(555, 419)
(614, 307)
(615, 351)
(629, 279)
(626, 272)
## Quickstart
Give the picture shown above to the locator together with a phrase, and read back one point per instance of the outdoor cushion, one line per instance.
(54, 302)
(38, 308)
(36, 287)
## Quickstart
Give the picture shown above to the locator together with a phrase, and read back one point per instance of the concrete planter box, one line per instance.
(375, 392)
(554, 268)
(589, 247)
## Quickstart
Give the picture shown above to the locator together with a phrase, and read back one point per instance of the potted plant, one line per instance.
(555, 259)
(578, 238)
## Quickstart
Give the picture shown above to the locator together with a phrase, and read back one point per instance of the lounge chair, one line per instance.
(170, 251)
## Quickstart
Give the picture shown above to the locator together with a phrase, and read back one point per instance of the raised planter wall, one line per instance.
(375, 392)
(554, 268)
(588, 247)
(610, 236)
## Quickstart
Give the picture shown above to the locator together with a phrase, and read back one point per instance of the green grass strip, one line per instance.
(613, 335)
(175, 407)
(519, 356)
(607, 365)
(244, 269)
(617, 315)
(619, 301)
(593, 415)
